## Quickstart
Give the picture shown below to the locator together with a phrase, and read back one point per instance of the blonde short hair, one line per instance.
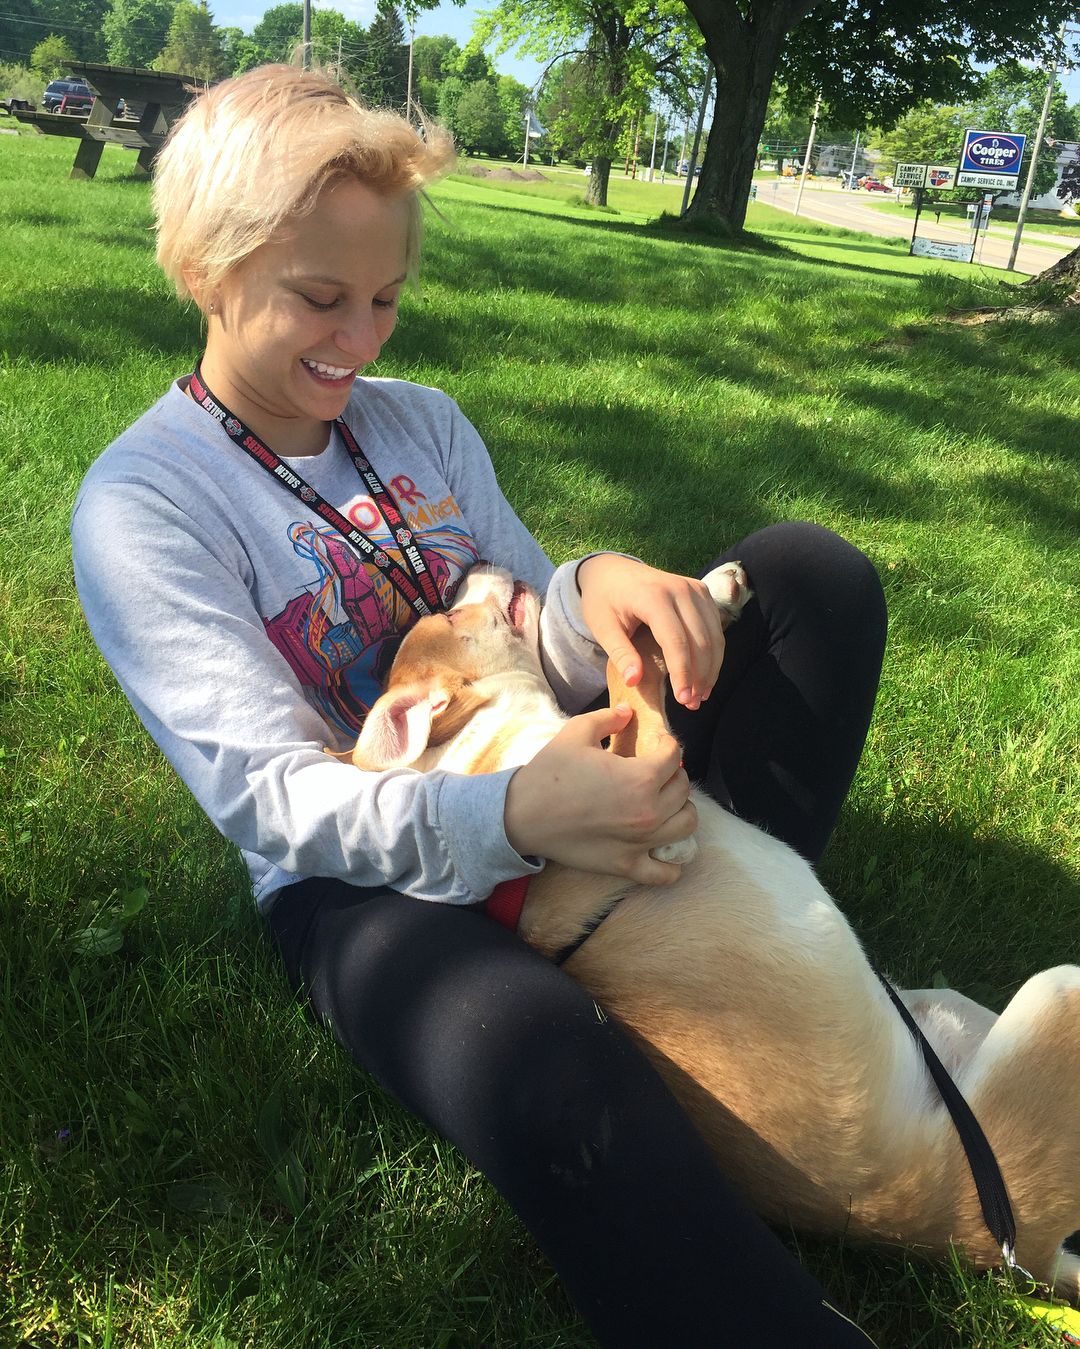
(255, 151)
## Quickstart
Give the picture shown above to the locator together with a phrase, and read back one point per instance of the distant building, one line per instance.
(1068, 165)
(834, 159)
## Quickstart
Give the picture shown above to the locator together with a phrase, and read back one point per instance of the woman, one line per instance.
(284, 519)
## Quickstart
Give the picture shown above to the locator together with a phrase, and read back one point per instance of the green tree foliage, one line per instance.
(449, 96)
(479, 120)
(278, 32)
(872, 63)
(19, 30)
(514, 98)
(563, 110)
(434, 59)
(18, 81)
(51, 57)
(627, 49)
(382, 73)
(135, 31)
(241, 51)
(23, 24)
(337, 43)
(193, 45)
(928, 134)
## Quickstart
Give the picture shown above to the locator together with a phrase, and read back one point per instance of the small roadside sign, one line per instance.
(941, 176)
(992, 182)
(934, 248)
(910, 175)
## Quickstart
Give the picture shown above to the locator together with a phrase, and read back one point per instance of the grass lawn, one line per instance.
(185, 1160)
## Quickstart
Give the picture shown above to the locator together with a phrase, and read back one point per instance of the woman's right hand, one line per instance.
(580, 805)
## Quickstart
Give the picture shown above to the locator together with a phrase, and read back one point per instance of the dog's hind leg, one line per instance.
(1023, 1084)
(730, 589)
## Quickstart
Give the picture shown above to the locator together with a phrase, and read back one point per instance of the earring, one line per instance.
(210, 307)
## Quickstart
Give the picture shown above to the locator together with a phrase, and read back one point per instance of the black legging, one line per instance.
(505, 1055)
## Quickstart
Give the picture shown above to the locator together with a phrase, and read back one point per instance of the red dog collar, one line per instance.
(506, 901)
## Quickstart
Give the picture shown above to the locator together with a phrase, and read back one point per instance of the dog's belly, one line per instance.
(747, 988)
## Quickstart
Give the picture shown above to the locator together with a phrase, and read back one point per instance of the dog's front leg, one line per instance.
(729, 588)
(649, 723)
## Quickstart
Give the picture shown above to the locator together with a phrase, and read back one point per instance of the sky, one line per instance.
(456, 21)
(448, 18)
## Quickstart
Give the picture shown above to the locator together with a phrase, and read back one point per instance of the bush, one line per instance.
(19, 82)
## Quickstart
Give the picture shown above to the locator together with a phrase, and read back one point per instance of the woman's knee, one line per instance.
(796, 563)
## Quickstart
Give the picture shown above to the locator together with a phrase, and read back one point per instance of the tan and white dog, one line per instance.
(749, 991)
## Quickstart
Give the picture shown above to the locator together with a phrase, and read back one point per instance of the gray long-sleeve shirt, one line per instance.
(247, 634)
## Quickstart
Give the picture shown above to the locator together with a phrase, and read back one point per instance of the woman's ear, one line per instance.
(197, 289)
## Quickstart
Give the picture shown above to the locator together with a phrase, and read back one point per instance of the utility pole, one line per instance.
(697, 140)
(408, 87)
(307, 35)
(854, 157)
(806, 158)
(1021, 215)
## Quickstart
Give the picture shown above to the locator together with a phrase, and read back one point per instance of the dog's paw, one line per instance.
(729, 588)
(685, 850)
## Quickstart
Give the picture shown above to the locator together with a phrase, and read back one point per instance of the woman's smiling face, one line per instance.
(294, 323)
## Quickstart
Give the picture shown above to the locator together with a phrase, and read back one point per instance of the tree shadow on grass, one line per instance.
(84, 324)
(748, 244)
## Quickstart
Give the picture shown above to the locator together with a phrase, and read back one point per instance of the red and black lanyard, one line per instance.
(413, 580)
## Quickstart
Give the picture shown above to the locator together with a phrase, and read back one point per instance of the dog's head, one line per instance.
(449, 666)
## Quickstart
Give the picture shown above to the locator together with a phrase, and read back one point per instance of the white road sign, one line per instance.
(997, 182)
(910, 175)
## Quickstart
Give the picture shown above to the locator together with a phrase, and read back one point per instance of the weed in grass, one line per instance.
(186, 1160)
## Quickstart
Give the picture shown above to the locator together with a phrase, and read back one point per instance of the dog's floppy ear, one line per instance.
(398, 728)
(411, 718)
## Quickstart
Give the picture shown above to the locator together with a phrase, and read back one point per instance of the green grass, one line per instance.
(185, 1160)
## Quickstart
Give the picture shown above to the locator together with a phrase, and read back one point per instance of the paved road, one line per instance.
(830, 205)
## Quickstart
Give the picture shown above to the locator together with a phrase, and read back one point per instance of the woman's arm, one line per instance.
(174, 619)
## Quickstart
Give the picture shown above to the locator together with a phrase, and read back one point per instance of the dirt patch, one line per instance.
(506, 175)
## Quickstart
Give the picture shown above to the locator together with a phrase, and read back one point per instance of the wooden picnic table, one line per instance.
(162, 96)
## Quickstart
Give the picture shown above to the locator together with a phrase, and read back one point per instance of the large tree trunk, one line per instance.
(1066, 271)
(744, 54)
(596, 192)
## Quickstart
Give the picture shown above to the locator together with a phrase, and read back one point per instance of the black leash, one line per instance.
(561, 957)
(989, 1182)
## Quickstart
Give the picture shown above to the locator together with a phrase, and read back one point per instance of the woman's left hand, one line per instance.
(618, 595)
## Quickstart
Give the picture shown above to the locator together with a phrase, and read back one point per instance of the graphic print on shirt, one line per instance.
(335, 631)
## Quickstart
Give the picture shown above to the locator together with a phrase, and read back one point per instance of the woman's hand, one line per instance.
(579, 805)
(618, 595)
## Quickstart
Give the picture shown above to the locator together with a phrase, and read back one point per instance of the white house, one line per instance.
(1068, 152)
(834, 159)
